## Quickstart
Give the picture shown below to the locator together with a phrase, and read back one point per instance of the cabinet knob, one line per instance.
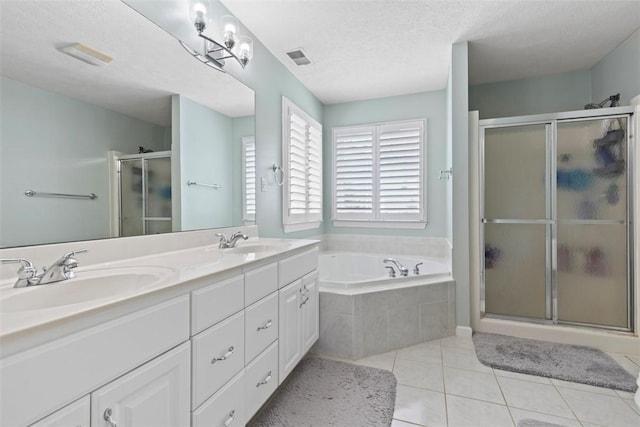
(266, 380)
(229, 420)
(224, 356)
(108, 418)
(267, 325)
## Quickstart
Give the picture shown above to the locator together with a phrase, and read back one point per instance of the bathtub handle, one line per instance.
(416, 269)
(392, 271)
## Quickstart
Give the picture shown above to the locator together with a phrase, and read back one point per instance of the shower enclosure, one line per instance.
(555, 208)
(144, 198)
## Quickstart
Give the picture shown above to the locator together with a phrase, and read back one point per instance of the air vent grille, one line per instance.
(299, 57)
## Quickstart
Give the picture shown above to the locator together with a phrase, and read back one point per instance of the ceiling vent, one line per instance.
(298, 57)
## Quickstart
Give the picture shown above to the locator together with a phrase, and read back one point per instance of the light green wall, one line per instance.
(459, 82)
(559, 92)
(271, 80)
(203, 152)
(52, 143)
(429, 105)
(618, 72)
(241, 127)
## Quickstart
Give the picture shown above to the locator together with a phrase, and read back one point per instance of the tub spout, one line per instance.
(404, 271)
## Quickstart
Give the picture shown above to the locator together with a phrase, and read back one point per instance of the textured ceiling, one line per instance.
(148, 64)
(363, 49)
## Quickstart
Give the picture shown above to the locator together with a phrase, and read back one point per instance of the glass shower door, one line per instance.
(516, 221)
(592, 233)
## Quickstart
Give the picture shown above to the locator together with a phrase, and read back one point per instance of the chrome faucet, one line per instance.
(404, 271)
(56, 272)
(62, 269)
(27, 273)
(225, 243)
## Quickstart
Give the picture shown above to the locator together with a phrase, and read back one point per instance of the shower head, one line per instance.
(614, 99)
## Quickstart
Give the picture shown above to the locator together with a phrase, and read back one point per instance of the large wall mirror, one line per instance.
(164, 142)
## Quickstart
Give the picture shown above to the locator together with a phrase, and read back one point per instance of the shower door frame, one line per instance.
(142, 157)
(551, 222)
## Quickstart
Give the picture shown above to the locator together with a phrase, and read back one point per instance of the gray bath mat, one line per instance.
(566, 362)
(322, 392)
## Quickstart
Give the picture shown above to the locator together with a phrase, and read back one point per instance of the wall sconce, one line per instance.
(233, 45)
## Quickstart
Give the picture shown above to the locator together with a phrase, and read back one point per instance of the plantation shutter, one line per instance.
(379, 172)
(400, 171)
(353, 166)
(249, 178)
(303, 163)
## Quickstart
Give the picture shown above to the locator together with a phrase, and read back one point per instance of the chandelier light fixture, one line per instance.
(233, 45)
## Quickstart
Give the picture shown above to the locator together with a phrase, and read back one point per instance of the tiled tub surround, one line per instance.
(371, 317)
(365, 321)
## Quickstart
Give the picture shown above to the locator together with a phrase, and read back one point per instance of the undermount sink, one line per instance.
(252, 248)
(88, 285)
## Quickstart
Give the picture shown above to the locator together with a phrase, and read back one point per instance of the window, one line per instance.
(302, 158)
(249, 179)
(378, 175)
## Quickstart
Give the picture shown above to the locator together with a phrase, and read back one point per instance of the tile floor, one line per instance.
(442, 383)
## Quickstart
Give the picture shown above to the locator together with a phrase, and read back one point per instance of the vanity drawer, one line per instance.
(261, 325)
(261, 379)
(62, 370)
(216, 302)
(296, 266)
(225, 408)
(260, 282)
(218, 355)
(76, 414)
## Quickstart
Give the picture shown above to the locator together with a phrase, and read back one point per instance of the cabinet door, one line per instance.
(155, 394)
(73, 415)
(290, 337)
(310, 311)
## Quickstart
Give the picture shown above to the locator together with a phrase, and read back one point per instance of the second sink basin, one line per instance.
(252, 248)
(88, 285)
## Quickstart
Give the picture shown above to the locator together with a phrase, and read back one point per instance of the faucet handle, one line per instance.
(416, 269)
(392, 271)
(26, 272)
(223, 242)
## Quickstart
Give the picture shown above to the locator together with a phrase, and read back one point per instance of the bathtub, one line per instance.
(363, 311)
(347, 270)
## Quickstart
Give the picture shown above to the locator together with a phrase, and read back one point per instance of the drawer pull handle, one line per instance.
(229, 420)
(267, 325)
(266, 380)
(224, 356)
(108, 418)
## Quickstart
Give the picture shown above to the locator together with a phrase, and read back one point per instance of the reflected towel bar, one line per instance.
(32, 193)
(215, 186)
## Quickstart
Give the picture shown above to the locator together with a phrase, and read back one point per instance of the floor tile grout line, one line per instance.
(444, 385)
(408, 422)
(566, 402)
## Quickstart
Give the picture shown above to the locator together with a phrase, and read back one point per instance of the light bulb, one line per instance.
(230, 28)
(198, 14)
(246, 49)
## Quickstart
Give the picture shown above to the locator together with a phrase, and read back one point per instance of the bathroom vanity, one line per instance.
(200, 337)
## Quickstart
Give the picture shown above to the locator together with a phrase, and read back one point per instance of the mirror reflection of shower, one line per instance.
(143, 196)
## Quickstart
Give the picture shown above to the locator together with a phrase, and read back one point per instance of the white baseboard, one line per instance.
(464, 331)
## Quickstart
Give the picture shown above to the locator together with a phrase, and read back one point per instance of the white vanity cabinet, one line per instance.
(298, 310)
(210, 354)
(155, 394)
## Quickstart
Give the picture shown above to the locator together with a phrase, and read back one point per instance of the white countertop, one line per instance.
(173, 268)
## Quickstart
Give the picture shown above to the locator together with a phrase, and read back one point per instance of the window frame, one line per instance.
(378, 219)
(308, 220)
(248, 218)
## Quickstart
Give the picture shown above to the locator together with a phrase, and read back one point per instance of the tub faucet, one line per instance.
(62, 269)
(404, 271)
